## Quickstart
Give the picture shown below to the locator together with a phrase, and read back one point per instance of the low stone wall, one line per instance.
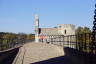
(7, 57)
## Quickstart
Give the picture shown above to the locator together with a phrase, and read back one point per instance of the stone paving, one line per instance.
(35, 52)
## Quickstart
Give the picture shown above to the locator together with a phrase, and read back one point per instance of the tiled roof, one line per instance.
(49, 31)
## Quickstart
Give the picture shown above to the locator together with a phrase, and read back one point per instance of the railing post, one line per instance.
(78, 45)
(1, 43)
(63, 41)
(85, 43)
(68, 41)
(76, 41)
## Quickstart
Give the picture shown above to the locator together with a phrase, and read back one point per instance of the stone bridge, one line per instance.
(35, 52)
(43, 53)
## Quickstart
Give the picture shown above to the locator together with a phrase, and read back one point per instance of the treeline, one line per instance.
(14, 35)
(82, 30)
(9, 40)
(84, 38)
(83, 34)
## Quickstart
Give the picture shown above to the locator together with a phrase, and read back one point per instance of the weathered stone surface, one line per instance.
(35, 52)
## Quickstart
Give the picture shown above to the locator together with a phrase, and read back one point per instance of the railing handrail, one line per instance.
(81, 42)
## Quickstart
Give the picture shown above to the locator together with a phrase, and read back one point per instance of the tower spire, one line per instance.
(36, 28)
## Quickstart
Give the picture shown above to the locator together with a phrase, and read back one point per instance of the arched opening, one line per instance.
(65, 31)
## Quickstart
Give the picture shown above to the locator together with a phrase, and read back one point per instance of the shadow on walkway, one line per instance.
(8, 56)
(71, 56)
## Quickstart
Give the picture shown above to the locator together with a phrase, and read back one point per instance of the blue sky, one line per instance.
(18, 15)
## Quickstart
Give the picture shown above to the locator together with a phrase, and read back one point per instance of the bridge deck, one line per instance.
(35, 52)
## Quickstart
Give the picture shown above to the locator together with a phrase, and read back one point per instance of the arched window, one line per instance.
(59, 26)
(65, 31)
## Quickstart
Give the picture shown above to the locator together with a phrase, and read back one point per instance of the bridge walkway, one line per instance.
(35, 52)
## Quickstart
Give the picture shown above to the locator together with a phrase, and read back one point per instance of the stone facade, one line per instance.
(66, 29)
(47, 33)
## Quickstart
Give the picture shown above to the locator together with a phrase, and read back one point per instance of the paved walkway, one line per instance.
(35, 52)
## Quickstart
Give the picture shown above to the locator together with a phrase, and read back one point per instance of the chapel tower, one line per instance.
(36, 28)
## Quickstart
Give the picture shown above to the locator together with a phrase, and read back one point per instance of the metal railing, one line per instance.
(81, 42)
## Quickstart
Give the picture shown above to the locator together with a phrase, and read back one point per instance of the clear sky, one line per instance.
(18, 15)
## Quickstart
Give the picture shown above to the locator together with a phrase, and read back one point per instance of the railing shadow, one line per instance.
(72, 56)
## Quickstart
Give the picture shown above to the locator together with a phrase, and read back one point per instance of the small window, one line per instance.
(59, 26)
(65, 31)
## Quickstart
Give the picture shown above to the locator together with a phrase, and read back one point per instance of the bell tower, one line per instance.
(36, 28)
